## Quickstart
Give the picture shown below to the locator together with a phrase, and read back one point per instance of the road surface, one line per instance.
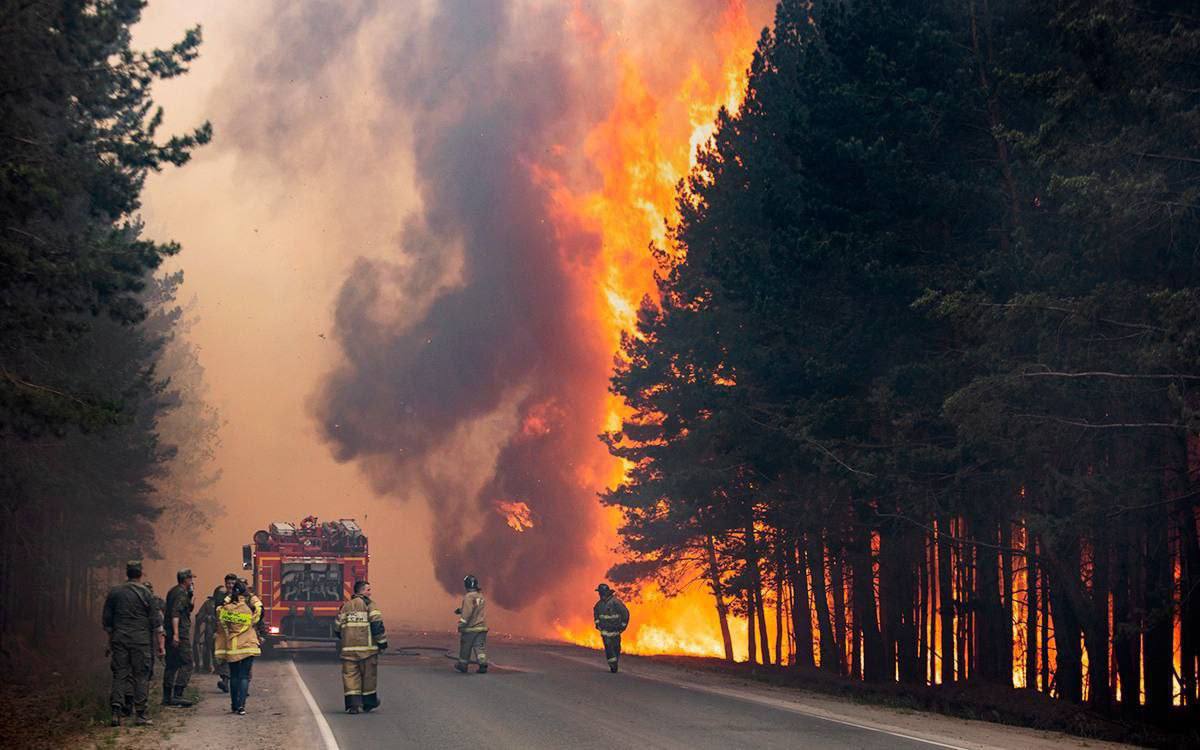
(544, 696)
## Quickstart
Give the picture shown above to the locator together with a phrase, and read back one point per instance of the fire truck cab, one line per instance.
(303, 573)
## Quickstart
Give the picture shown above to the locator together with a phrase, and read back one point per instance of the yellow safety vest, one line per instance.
(236, 637)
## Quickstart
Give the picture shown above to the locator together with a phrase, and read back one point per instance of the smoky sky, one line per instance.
(481, 305)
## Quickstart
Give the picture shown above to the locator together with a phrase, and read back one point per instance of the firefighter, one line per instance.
(472, 627)
(177, 619)
(219, 597)
(237, 642)
(612, 617)
(361, 636)
(134, 629)
(205, 632)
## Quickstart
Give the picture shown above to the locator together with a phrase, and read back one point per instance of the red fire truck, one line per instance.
(303, 574)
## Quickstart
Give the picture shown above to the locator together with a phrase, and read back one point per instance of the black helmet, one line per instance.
(603, 589)
(471, 583)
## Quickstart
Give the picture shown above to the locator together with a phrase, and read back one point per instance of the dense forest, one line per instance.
(103, 427)
(922, 380)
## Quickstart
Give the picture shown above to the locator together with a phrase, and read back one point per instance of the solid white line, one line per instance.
(322, 725)
(771, 702)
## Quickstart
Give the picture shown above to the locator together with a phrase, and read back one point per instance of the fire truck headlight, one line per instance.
(273, 629)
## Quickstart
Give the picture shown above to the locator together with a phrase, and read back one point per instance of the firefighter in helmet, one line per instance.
(611, 617)
(472, 627)
(220, 594)
(134, 630)
(361, 636)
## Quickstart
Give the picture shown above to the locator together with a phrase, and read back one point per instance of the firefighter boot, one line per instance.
(222, 684)
(143, 720)
(168, 699)
(461, 667)
(179, 701)
(116, 717)
(612, 667)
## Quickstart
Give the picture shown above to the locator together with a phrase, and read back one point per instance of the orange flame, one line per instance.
(516, 514)
(641, 151)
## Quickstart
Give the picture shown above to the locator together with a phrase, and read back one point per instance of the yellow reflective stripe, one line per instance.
(234, 651)
(356, 625)
(609, 633)
(474, 630)
(352, 692)
(360, 648)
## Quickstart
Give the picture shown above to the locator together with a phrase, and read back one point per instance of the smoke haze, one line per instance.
(396, 320)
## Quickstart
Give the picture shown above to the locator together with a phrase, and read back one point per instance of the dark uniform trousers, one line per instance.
(131, 675)
(612, 647)
(360, 679)
(177, 670)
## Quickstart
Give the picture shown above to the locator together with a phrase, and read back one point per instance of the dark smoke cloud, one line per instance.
(483, 306)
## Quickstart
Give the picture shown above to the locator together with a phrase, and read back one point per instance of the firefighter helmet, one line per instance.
(603, 589)
(471, 583)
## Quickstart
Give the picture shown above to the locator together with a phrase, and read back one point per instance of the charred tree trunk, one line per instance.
(866, 621)
(945, 565)
(1096, 634)
(816, 566)
(714, 582)
(1031, 612)
(838, 582)
(1005, 624)
(751, 640)
(1068, 672)
(801, 613)
(1156, 655)
(988, 611)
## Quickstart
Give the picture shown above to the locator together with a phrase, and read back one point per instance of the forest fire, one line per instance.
(642, 149)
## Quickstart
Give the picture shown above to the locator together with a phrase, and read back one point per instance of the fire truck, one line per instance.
(303, 573)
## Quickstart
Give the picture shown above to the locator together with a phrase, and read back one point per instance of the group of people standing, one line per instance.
(226, 639)
(141, 626)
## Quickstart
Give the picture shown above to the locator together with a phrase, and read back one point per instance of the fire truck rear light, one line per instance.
(273, 630)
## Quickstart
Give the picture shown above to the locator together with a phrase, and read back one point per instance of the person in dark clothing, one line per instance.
(134, 630)
(177, 619)
(203, 637)
(612, 617)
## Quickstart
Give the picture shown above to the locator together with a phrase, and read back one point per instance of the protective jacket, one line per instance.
(236, 636)
(130, 617)
(359, 626)
(611, 616)
(179, 604)
(473, 617)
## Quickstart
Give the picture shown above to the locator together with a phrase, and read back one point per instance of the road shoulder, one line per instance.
(940, 729)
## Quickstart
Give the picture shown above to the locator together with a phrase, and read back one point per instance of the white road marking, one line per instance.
(771, 702)
(322, 725)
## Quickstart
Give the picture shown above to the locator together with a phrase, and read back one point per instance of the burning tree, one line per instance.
(918, 373)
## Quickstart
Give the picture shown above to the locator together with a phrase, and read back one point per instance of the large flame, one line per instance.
(641, 150)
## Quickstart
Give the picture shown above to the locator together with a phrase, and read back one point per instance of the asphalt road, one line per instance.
(559, 697)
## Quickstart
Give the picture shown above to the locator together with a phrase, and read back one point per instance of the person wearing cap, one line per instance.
(611, 617)
(177, 669)
(135, 629)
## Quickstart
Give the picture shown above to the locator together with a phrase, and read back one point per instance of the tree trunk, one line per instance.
(816, 566)
(714, 582)
(1068, 673)
(1156, 655)
(801, 613)
(863, 593)
(1096, 635)
(838, 582)
(1031, 612)
(945, 566)
(988, 611)
(751, 641)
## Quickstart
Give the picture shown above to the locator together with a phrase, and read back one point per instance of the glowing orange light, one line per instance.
(516, 514)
